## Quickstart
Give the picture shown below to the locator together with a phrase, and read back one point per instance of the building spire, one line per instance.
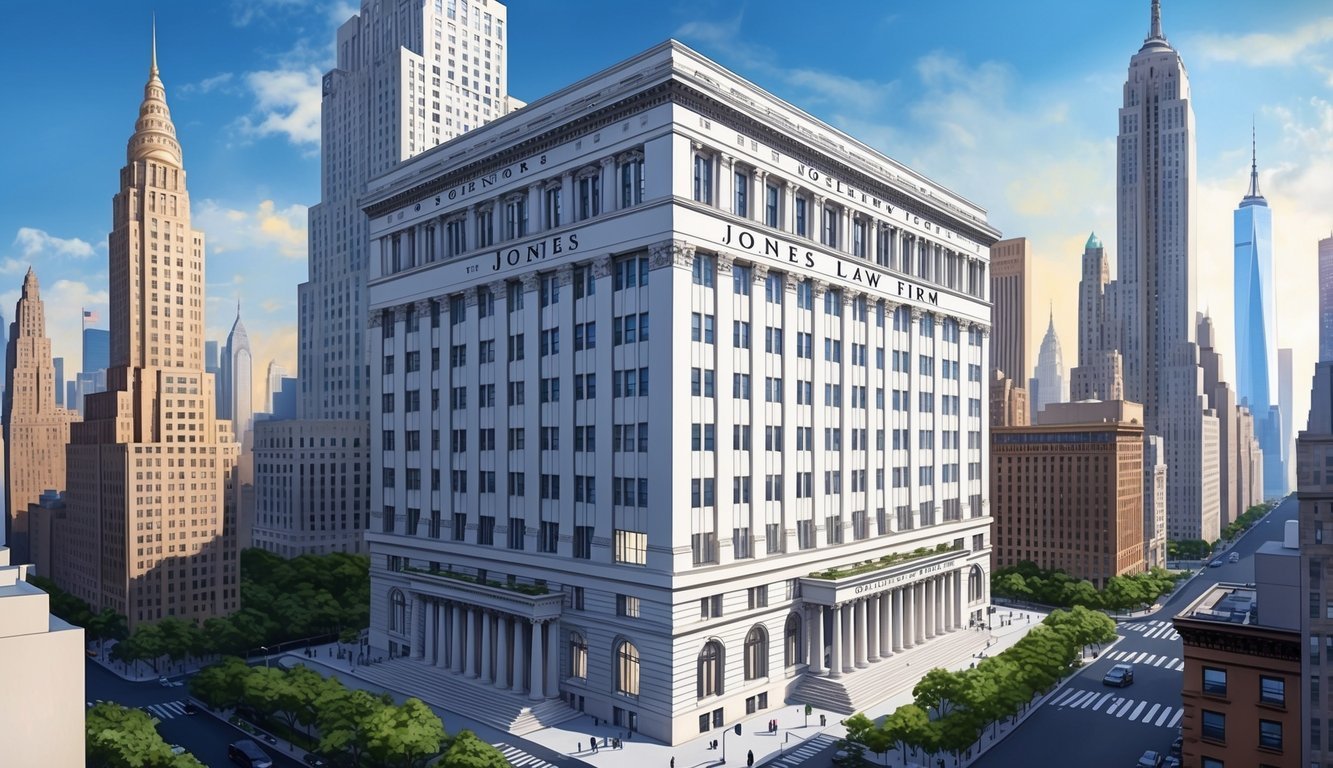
(154, 135)
(1156, 30)
(152, 70)
(1254, 163)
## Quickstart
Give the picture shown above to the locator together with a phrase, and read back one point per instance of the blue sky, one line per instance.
(1012, 105)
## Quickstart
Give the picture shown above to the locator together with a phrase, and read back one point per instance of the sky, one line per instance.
(1012, 105)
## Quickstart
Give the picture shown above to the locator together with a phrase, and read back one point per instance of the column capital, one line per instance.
(498, 287)
(725, 262)
(564, 274)
(917, 312)
(422, 307)
(669, 253)
(529, 281)
(601, 267)
(819, 287)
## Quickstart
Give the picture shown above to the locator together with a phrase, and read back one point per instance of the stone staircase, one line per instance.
(855, 691)
(506, 710)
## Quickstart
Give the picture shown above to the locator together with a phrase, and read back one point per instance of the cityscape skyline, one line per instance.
(254, 99)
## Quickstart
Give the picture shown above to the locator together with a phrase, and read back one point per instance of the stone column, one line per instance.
(486, 647)
(520, 659)
(919, 613)
(941, 605)
(835, 644)
(442, 632)
(896, 623)
(552, 659)
(469, 643)
(536, 690)
(872, 627)
(815, 633)
(502, 652)
(859, 633)
(848, 644)
(456, 639)
(418, 627)
(949, 621)
(959, 602)
(931, 607)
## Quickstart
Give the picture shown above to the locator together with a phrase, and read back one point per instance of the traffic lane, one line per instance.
(100, 683)
(1269, 529)
(207, 737)
(1092, 737)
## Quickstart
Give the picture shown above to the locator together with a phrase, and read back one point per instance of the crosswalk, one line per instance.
(800, 754)
(1153, 629)
(1115, 705)
(1145, 659)
(520, 759)
(166, 710)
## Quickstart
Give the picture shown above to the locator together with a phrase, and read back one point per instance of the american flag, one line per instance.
(89, 316)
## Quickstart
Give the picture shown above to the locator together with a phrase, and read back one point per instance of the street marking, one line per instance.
(518, 758)
(1139, 657)
(1102, 701)
(1148, 717)
(1175, 719)
(1137, 710)
(1162, 718)
(1121, 711)
(1088, 701)
(1149, 660)
(1066, 693)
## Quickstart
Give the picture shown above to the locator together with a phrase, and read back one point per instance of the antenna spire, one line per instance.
(153, 69)
(1254, 162)
(1156, 31)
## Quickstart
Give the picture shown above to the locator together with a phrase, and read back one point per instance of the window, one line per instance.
(771, 198)
(1215, 681)
(703, 179)
(628, 606)
(590, 195)
(756, 654)
(709, 681)
(1273, 690)
(831, 216)
(552, 205)
(740, 334)
(578, 656)
(397, 611)
(1212, 762)
(631, 181)
(630, 272)
(742, 189)
(802, 216)
(791, 641)
(702, 327)
(1270, 735)
(627, 669)
(516, 217)
(705, 269)
(630, 546)
(1214, 726)
(741, 277)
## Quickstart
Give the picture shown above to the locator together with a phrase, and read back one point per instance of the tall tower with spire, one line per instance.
(151, 517)
(35, 428)
(240, 370)
(1256, 325)
(1157, 275)
(1048, 382)
(1099, 373)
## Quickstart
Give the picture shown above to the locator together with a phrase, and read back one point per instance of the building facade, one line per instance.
(817, 347)
(1242, 676)
(323, 510)
(1008, 403)
(1325, 277)
(1314, 492)
(273, 388)
(410, 75)
(36, 429)
(1011, 299)
(1099, 374)
(1286, 407)
(150, 517)
(1067, 493)
(1047, 385)
(1154, 502)
(238, 380)
(42, 664)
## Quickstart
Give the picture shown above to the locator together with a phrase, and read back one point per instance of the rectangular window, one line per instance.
(742, 190)
(703, 179)
(1214, 726)
(740, 334)
(590, 196)
(552, 206)
(1270, 735)
(704, 270)
(1215, 681)
(771, 198)
(1273, 690)
(630, 547)
(627, 606)
(631, 181)
(802, 215)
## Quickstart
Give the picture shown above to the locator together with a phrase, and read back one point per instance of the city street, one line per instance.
(1095, 725)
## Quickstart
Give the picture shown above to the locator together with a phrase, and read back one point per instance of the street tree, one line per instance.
(407, 735)
(468, 751)
(120, 737)
(939, 691)
(908, 727)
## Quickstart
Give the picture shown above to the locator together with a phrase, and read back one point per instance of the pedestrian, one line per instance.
(673, 762)
(749, 757)
(593, 742)
(822, 721)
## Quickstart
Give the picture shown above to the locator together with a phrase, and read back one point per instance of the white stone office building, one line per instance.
(409, 75)
(595, 321)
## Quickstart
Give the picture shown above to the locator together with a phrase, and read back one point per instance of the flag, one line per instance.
(89, 316)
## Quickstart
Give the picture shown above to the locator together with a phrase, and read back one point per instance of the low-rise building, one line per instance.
(1067, 493)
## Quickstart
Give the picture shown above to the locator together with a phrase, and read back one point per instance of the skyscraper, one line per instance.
(96, 349)
(1286, 408)
(239, 364)
(276, 373)
(35, 428)
(1048, 381)
(58, 364)
(150, 552)
(1011, 297)
(1256, 326)
(1099, 374)
(1157, 276)
(410, 75)
(1326, 299)
(1314, 491)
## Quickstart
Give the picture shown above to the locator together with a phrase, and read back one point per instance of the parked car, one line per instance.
(1235, 557)
(1218, 563)
(1149, 759)
(1170, 762)
(1120, 676)
(247, 754)
(191, 708)
(177, 749)
(1177, 746)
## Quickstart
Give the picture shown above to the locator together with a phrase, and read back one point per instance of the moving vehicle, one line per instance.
(248, 754)
(1216, 563)
(1235, 557)
(191, 708)
(1149, 759)
(1120, 676)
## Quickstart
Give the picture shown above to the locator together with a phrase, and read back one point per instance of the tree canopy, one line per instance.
(1026, 581)
(120, 737)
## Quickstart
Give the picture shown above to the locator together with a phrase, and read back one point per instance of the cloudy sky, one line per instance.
(1013, 105)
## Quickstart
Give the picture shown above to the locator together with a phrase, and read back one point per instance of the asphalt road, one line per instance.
(202, 735)
(1089, 724)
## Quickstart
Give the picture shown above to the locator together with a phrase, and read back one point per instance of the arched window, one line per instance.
(627, 669)
(756, 653)
(974, 584)
(578, 656)
(791, 641)
(397, 611)
(709, 681)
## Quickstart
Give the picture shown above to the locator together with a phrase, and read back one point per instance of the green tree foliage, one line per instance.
(907, 728)
(221, 685)
(119, 737)
(939, 691)
(1026, 581)
(407, 735)
(1248, 518)
(1188, 549)
(468, 751)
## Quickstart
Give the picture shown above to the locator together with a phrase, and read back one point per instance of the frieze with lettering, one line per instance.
(879, 585)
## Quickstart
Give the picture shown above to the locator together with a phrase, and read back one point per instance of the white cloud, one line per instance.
(263, 229)
(62, 300)
(36, 242)
(246, 12)
(220, 82)
(1283, 48)
(287, 103)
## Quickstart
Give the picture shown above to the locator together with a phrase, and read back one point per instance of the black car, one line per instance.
(1120, 676)
(191, 708)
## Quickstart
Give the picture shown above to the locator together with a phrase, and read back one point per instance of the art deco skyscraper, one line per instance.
(1011, 298)
(1098, 375)
(1157, 275)
(239, 365)
(410, 75)
(1256, 327)
(150, 524)
(1048, 382)
(1326, 299)
(35, 428)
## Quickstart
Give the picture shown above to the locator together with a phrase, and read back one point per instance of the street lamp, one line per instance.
(737, 729)
(264, 648)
